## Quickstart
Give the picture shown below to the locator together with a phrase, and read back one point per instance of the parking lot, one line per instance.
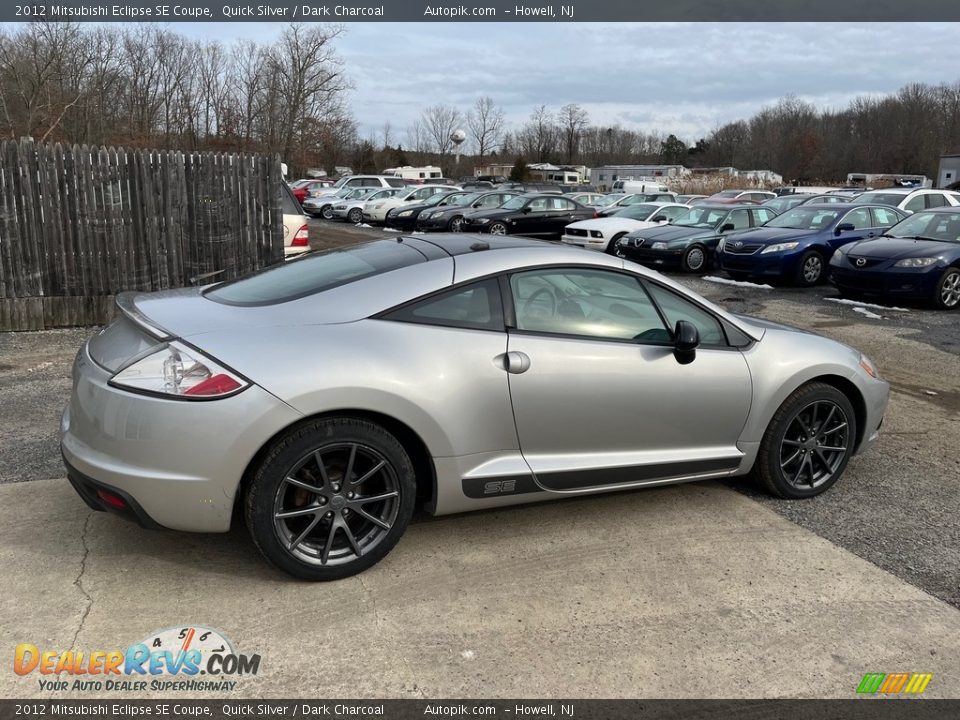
(707, 589)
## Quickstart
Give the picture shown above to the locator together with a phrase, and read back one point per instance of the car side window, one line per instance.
(739, 218)
(677, 308)
(562, 204)
(763, 215)
(492, 201)
(884, 218)
(538, 205)
(860, 218)
(475, 307)
(915, 203)
(288, 203)
(935, 200)
(588, 303)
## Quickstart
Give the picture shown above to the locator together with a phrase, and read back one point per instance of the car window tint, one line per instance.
(677, 308)
(859, 218)
(739, 218)
(475, 306)
(884, 217)
(935, 200)
(915, 203)
(288, 203)
(587, 303)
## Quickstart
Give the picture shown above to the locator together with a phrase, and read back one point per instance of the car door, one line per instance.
(864, 226)
(530, 221)
(598, 397)
(562, 212)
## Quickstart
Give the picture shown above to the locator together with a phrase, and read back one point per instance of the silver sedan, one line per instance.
(328, 397)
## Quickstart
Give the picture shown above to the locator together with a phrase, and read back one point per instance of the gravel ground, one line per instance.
(897, 505)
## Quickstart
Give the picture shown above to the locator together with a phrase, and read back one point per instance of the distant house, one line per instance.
(603, 177)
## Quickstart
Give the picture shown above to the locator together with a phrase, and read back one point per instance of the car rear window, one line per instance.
(315, 272)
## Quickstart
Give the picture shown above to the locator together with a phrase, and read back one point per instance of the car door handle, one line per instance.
(516, 362)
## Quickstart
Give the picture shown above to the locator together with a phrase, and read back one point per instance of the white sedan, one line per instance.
(376, 210)
(603, 233)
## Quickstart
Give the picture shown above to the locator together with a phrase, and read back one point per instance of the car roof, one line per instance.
(943, 209)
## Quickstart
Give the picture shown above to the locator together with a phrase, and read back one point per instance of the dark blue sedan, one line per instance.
(795, 247)
(919, 258)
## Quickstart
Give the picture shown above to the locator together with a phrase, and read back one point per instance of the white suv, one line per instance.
(909, 199)
(376, 210)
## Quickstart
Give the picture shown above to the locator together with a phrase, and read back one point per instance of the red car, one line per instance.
(302, 188)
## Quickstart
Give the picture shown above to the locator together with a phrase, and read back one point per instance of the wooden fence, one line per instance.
(80, 224)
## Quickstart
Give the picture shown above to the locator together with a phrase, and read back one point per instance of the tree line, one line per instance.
(148, 86)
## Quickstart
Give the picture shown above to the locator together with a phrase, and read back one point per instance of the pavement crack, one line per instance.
(78, 581)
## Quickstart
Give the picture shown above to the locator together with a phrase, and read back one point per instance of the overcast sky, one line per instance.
(686, 78)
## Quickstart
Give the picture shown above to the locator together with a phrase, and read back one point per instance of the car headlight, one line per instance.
(779, 247)
(916, 262)
(427, 216)
(179, 371)
(405, 213)
(868, 367)
(659, 246)
(837, 254)
(596, 234)
(721, 244)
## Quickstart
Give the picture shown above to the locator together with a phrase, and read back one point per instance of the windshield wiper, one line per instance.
(916, 237)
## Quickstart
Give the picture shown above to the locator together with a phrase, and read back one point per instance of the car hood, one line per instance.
(419, 207)
(613, 223)
(760, 323)
(771, 235)
(888, 248)
(669, 233)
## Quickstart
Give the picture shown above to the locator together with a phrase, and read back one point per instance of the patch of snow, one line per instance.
(867, 313)
(391, 230)
(929, 392)
(737, 283)
(844, 301)
(468, 655)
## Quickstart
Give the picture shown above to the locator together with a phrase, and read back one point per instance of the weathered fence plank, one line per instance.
(80, 224)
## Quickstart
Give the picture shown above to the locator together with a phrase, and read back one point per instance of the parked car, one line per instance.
(322, 205)
(796, 246)
(381, 181)
(532, 187)
(918, 258)
(639, 186)
(637, 199)
(786, 202)
(834, 197)
(741, 196)
(533, 215)
(593, 199)
(449, 217)
(690, 240)
(909, 199)
(196, 405)
(405, 217)
(376, 210)
(303, 189)
(690, 199)
(350, 208)
(603, 233)
(296, 233)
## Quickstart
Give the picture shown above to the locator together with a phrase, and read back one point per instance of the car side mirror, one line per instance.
(660, 218)
(843, 227)
(686, 340)
(526, 210)
(727, 227)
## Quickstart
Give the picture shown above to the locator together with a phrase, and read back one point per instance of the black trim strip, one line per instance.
(489, 487)
(599, 477)
(87, 487)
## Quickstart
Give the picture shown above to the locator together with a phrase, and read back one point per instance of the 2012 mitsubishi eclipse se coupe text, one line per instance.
(327, 397)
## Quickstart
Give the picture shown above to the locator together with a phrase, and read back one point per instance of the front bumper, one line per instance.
(585, 242)
(179, 463)
(431, 224)
(913, 284)
(758, 265)
(670, 257)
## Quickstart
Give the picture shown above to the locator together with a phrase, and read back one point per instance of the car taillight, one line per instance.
(112, 500)
(596, 214)
(179, 371)
(302, 238)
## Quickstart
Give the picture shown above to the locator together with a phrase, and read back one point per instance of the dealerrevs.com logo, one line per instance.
(192, 658)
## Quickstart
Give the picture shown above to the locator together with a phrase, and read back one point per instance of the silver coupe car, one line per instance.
(325, 398)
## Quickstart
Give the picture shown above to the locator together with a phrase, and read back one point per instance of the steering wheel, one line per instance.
(532, 308)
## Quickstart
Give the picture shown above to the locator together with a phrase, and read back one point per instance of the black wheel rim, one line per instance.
(814, 445)
(336, 504)
(812, 267)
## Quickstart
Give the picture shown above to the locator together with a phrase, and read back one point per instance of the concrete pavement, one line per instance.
(686, 591)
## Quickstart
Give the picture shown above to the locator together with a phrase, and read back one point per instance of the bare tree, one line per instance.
(572, 120)
(440, 121)
(485, 122)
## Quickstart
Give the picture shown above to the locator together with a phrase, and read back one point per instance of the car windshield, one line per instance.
(701, 217)
(944, 226)
(381, 194)
(801, 218)
(315, 272)
(605, 200)
(515, 204)
(638, 212)
(357, 193)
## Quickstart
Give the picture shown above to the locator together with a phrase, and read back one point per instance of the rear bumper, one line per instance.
(91, 492)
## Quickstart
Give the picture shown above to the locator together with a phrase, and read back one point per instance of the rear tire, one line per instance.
(807, 444)
(336, 520)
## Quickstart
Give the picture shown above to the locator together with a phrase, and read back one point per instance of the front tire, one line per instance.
(455, 224)
(326, 212)
(694, 259)
(612, 245)
(499, 228)
(808, 443)
(947, 294)
(330, 498)
(355, 216)
(811, 270)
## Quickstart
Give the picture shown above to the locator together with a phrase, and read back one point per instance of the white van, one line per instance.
(638, 186)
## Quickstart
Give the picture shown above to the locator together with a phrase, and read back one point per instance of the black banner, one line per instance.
(854, 709)
(168, 11)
